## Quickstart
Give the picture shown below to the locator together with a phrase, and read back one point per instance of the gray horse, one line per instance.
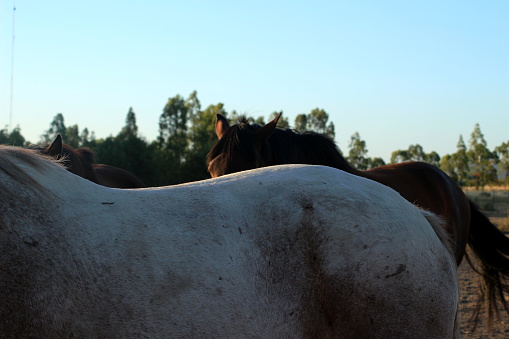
(280, 252)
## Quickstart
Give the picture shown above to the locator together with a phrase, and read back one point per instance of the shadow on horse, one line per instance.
(282, 252)
(245, 146)
(80, 161)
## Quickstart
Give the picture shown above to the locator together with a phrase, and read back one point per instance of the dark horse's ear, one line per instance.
(221, 125)
(267, 130)
(57, 146)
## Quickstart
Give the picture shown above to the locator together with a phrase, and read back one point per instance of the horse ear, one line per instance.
(221, 125)
(267, 130)
(57, 146)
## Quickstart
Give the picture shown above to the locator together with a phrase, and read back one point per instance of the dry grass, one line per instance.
(494, 202)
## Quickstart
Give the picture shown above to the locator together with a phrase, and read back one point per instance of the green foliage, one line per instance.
(56, 126)
(460, 161)
(13, 138)
(301, 122)
(482, 160)
(317, 120)
(476, 165)
(282, 122)
(259, 121)
(73, 136)
(87, 139)
(202, 137)
(456, 165)
(173, 139)
(502, 153)
(433, 158)
(447, 165)
(357, 154)
(415, 153)
(70, 135)
(127, 150)
(376, 162)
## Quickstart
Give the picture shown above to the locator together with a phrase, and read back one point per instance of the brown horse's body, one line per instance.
(115, 177)
(80, 161)
(245, 146)
(431, 189)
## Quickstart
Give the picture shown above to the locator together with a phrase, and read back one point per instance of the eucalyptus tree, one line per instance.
(57, 126)
(317, 121)
(481, 159)
(357, 154)
(282, 122)
(202, 137)
(415, 153)
(502, 152)
(14, 138)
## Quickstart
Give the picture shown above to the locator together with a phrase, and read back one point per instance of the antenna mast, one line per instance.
(12, 64)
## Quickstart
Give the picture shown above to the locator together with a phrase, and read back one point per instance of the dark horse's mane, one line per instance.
(285, 146)
(235, 139)
(313, 148)
(77, 161)
(80, 161)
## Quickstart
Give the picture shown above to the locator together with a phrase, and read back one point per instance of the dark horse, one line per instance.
(246, 146)
(80, 161)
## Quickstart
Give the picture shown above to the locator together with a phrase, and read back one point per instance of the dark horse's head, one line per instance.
(246, 146)
(78, 161)
(244, 142)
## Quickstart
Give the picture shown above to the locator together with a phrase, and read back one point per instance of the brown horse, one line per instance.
(246, 146)
(115, 177)
(80, 161)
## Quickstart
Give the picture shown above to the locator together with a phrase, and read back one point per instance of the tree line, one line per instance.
(186, 134)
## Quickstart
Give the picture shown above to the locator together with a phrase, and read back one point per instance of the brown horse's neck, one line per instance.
(79, 161)
(288, 147)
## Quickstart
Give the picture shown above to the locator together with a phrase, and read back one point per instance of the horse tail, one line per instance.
(490, 249)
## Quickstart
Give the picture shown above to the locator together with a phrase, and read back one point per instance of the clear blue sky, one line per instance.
(397, 72)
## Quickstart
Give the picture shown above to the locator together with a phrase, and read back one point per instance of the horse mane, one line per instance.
(236, 141)
(11, 156)
(307, 147)
(243, 119)
(85, 152)
(284, 146)
(79, 161)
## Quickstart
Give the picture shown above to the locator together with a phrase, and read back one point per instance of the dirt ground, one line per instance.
(468, 283)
